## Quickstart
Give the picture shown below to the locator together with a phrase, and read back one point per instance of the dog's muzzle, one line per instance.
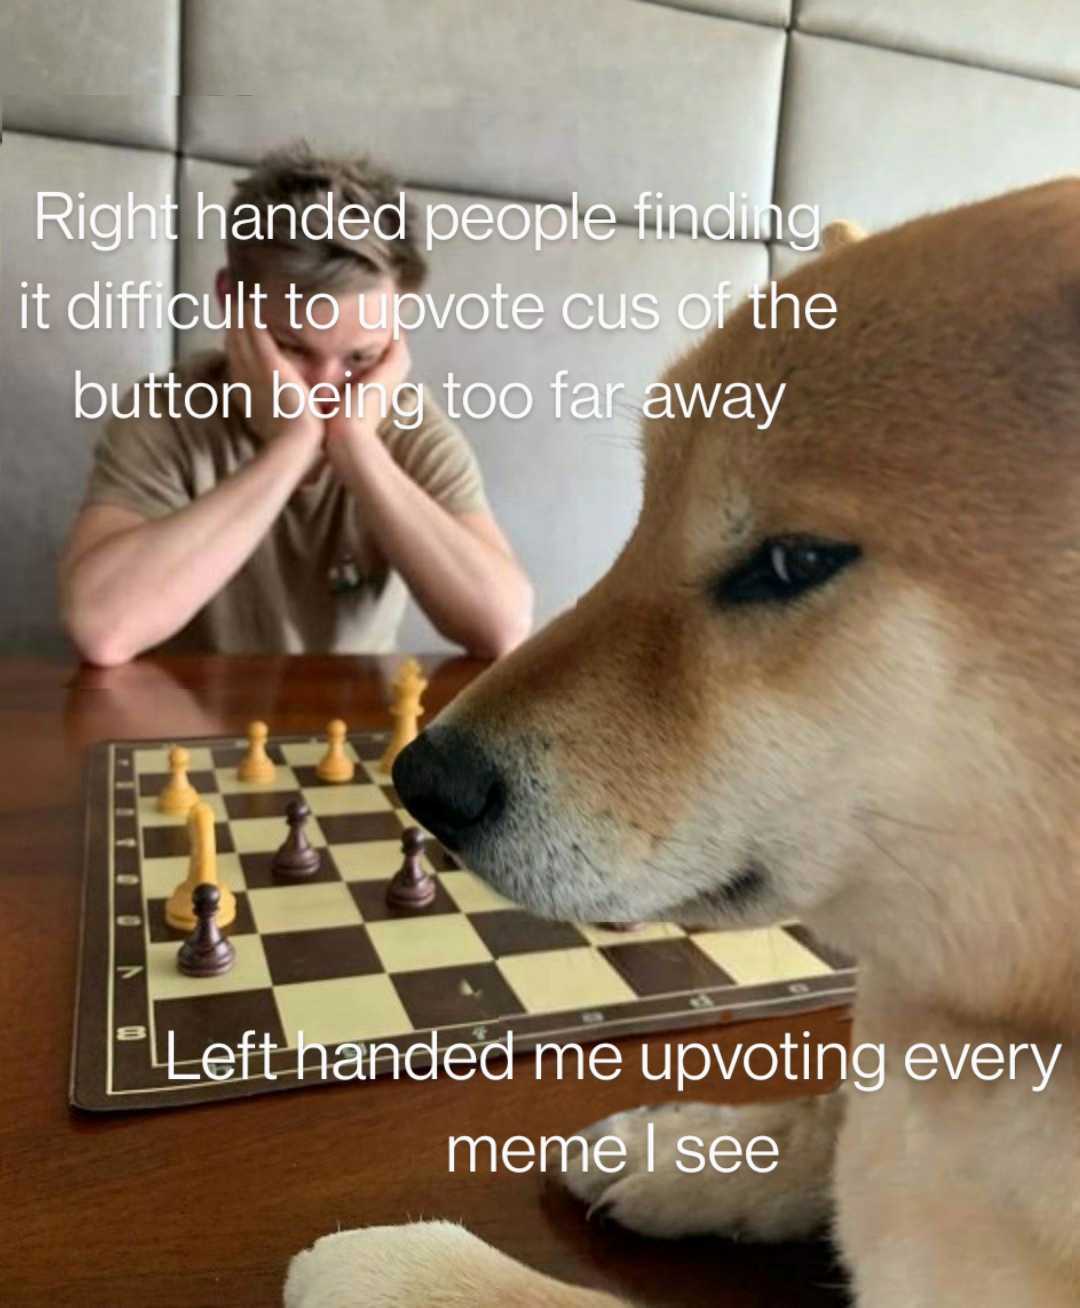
(450, 785)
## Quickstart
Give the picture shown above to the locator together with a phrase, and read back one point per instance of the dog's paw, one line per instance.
(791, 1202)
(438, 1264)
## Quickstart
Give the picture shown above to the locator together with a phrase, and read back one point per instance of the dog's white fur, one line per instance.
(899, 752)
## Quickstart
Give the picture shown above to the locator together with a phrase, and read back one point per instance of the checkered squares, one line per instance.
(328, 960)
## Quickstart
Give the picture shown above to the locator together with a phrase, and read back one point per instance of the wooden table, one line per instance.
(204, 1206)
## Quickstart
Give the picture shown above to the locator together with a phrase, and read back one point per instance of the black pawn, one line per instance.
(296, 860)
(411, 887)
(206, 952)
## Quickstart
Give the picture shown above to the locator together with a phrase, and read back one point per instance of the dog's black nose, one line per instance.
(449, 784)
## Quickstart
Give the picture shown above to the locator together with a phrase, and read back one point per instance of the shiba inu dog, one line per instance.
(834, 674)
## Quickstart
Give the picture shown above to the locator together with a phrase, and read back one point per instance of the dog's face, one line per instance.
(833, 673)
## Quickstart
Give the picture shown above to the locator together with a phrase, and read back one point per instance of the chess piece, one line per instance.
(256, 766)
(335, 764)
(411, 886)
(179, 794)
(202, 868)
(408, 685)
(296, 860)
(206, 952)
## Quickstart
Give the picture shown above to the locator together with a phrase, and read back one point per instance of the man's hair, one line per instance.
(295, 177)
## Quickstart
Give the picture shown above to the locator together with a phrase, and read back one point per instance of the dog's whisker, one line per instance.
(913, 826)
(631, 411)
(621, 442)
(915, 873)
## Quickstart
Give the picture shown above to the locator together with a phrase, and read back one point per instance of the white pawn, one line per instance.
(335, 764)
(202, 866)
(179, 794)
(256, 766)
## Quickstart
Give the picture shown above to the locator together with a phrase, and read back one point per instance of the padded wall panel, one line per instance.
(44, 449)
(566, 491)
(1040, 38)
(106, 71)
(879, 137)
(520, 99)
(777, 12)
(783, 260)
(118, 119)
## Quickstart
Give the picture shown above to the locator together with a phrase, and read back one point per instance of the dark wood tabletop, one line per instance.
(205, 1206)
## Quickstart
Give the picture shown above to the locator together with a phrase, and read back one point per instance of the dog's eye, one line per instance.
(783, 568)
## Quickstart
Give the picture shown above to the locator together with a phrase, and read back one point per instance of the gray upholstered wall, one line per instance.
(874, 109)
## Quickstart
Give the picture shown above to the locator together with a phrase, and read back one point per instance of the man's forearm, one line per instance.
(140, 586)
(475, 593)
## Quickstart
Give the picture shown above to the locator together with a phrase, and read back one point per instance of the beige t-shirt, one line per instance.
(318, 581)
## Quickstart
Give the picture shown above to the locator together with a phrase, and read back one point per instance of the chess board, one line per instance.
(329, 959)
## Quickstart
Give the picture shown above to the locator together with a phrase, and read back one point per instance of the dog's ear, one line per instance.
(840, 233)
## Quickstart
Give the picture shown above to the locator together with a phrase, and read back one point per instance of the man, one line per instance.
(273, 533)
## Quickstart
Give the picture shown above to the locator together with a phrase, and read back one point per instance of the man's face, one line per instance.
(340, 354)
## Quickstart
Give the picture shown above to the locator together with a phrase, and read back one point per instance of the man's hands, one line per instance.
(368, 408)
(253, 358)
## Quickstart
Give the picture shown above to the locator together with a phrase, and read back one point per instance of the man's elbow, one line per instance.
(103, 649)
(95, 641)
(510, 625)
(105, 653)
